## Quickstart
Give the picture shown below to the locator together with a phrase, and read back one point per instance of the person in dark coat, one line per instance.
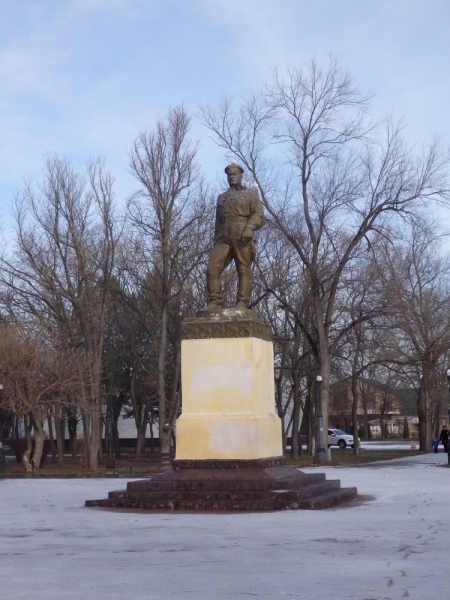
(444, 438)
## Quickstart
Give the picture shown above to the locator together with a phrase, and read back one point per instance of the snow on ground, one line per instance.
(395, 544)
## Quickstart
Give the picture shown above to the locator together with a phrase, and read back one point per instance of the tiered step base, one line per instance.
(204, 485)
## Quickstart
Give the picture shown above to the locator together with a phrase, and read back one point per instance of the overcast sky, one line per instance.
(84, 77)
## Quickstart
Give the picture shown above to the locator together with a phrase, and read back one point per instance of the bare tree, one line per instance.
(417, 284)
(327, 177)
(171, 221)
(60, 271)
(282, 299)
(130, 351)
(34, 375)
(361, 301)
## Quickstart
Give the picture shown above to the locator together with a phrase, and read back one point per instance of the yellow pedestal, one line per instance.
(228, 400)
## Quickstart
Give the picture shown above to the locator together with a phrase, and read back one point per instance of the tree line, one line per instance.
(351, 269)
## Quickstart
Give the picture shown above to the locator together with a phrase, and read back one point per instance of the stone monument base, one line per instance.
(228, 438)
(227, 381)
(229, 485)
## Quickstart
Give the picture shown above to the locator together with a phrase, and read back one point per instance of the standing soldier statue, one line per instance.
(239, 213)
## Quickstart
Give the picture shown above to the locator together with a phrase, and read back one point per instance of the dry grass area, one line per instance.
(346, 457)
(74, 468)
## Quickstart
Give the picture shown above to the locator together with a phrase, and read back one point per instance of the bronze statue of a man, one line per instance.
(239, 213)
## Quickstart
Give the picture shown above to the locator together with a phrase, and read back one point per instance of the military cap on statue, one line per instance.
(233, 166)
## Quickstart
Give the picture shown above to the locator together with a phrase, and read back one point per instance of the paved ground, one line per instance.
(393, 545)
(379, 445)
(390, 445)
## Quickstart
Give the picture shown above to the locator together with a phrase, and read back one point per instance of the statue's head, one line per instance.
(234, 173)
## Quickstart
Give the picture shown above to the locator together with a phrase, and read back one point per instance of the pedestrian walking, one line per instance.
(444, 438)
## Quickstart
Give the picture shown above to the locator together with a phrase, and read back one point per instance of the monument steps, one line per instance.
(309, 491)
(283, 502)
(240, 488)
(230, 494)
(221, 479)
(329, 499)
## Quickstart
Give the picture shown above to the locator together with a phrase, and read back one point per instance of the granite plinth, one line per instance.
(229, 489)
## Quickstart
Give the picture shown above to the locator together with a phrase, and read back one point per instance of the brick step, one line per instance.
(209, 496)
(117, 494)
(207, 505)
(309, 491)
(295, 494)
(155, 485)
(328, 499)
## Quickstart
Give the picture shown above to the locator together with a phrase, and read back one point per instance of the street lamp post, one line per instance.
(2, 456)
(320, 446)
(448, 379)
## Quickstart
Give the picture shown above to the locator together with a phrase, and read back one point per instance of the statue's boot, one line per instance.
(211, 306)
(214, 291)
(244, 289)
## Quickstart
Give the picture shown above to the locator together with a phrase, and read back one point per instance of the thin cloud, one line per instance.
(83, 77)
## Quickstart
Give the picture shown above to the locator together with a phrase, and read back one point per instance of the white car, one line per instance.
(337, 437)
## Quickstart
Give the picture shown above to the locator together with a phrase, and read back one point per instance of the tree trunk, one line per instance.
(424, 412)
(140, 416)
(72, 424)
(164, 442)
(366, 422)
(355, 414)
(52, 439)
(92, 425)
(164, 427)
(108, 430)
(437, 417)
(26, 460)
(311, 424)
(280, 412)
(39, 438)
(305, 426)
(115, 436)
(324, 352)
(283, 437)
(325, 371)
(152, 438)
(60, 434)
(115, 415)
(140, 439)
(295, 417)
